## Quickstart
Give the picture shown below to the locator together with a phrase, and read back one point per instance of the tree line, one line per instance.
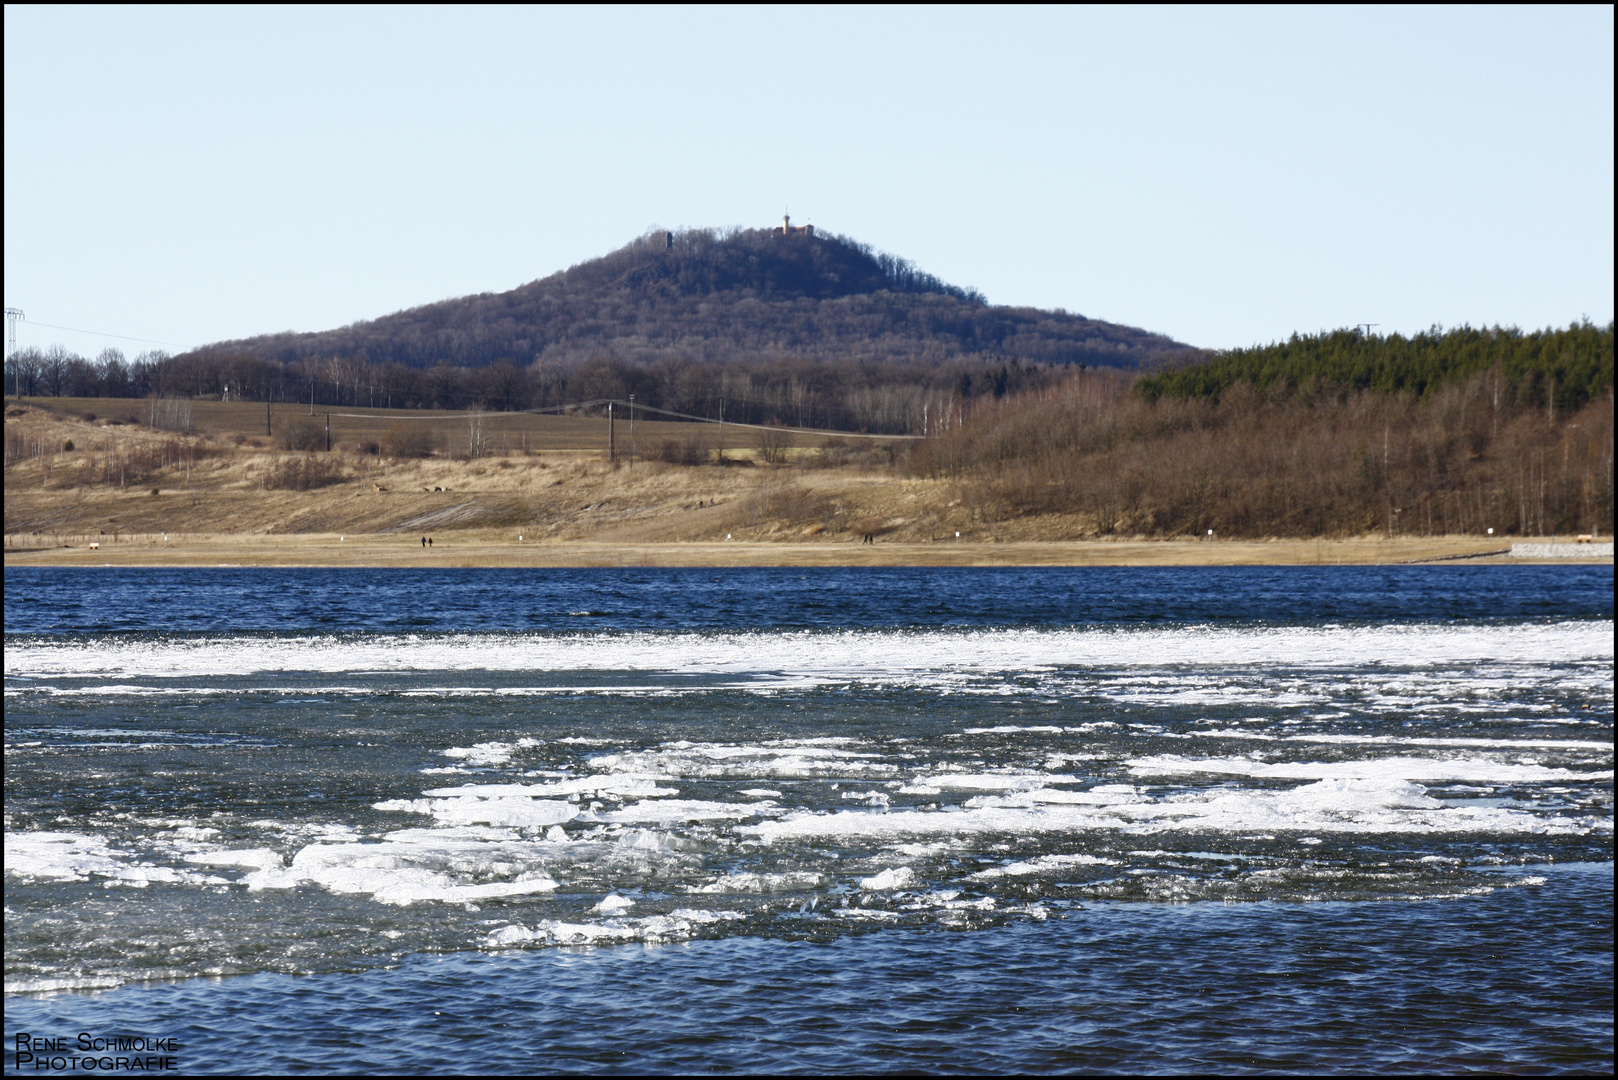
(894, 397)
(1563, 369)
(1462, 452)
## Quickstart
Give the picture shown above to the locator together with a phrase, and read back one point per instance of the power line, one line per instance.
(640, 408)
(98, 333)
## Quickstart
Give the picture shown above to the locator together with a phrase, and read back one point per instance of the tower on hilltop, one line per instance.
(789, 229)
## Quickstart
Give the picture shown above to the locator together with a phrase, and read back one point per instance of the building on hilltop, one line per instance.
(789, 229)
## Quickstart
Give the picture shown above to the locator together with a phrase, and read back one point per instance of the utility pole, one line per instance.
(267, 398)
(631, 432)
(13, 316)
(612, 446)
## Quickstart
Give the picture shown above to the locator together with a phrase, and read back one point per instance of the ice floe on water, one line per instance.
(620, 784)
(262, 860)
(900, 877)
(65, 856)
(1417, 740)
(677, 811)
(1330, 805)
(1007, 781)
(797, 881)
(1044, 864)
(515, 811)
(949, 778)
(413, 865)
(1399, 768)
(717, 761)
(677, 925)
(858, 654)
(489, 753)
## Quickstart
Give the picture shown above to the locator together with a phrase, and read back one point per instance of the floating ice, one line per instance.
(675, 926)
(1333, 805)
(673, 811)
(882, 655)
(901, 877)
(1407, 740)
(1093, 797)
(419, 864)
(621, 784)
(990, 781)
(55, 985)
(1014, 729)
(764, 883)
(252, 858)
(516, 812)
(489, 753)
(1041, 865)
(720, 761)
(63, 856)
(1391, 768)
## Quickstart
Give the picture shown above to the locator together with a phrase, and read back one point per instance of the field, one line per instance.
(519, 489)
(501, 432)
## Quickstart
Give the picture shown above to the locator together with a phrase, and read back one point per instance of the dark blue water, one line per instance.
(78, 601)
(1511, 982)
(1324, 820)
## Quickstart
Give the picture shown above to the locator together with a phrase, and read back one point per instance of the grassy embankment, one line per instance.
(545, 495)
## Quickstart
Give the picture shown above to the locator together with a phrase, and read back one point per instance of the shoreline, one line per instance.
(392, 551)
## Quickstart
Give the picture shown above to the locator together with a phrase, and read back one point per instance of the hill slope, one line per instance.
(716, 296)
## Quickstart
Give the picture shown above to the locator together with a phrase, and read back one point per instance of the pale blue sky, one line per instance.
(1225, 176)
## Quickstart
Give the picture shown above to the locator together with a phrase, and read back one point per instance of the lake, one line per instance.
(1259, 819)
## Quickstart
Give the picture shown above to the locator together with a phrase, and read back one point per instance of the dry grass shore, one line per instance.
(82, 491)
(470, 550)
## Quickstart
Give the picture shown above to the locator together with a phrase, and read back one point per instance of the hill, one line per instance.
(752, 325)
(708, 295)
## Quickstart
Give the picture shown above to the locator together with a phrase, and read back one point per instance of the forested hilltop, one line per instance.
(762, 326)
(707, 295)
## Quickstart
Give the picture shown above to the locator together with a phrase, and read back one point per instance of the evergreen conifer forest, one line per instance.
(1561, 369)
